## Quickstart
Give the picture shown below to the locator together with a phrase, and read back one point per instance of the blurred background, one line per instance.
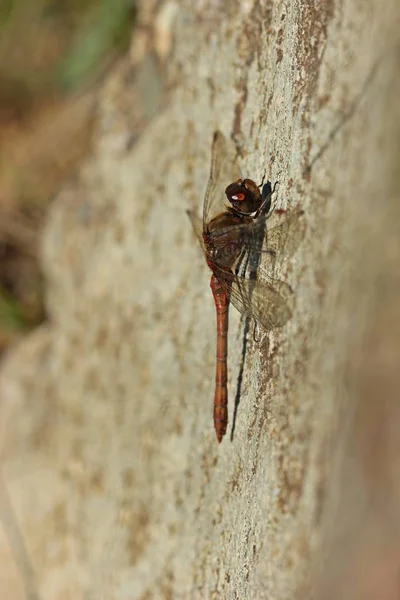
(53, 54)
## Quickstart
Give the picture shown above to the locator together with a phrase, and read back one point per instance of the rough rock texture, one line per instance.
(114, 486)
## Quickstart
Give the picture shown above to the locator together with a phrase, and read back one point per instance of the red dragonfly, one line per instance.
(234, 238)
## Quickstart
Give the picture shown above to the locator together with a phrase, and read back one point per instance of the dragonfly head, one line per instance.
(244, 196)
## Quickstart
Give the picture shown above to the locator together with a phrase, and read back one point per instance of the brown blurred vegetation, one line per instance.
(52, 55)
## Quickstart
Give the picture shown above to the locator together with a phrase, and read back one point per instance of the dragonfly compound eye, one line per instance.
(244, 196)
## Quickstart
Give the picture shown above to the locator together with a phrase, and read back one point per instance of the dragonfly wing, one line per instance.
(224, 170)
(285, 233)
(280, 233)
(263, 241)
(269, 303)
(197, 225)
(283, 236)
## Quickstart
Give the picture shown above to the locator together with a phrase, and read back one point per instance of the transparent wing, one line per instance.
(268, 302)
(282, 236)
(224, 170)
(264, 240)
(258, 244)
(285, 233)
(197, 225)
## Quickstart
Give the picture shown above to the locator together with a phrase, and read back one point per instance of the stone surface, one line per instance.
(114, 486)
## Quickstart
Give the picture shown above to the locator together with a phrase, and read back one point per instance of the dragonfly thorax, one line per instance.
(222, 238)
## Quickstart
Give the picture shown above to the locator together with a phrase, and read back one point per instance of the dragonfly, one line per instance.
(242, 253)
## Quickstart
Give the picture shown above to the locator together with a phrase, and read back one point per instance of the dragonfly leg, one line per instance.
(262, 182)
(267, 193)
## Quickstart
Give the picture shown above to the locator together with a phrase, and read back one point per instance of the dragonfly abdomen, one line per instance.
(221, 299)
